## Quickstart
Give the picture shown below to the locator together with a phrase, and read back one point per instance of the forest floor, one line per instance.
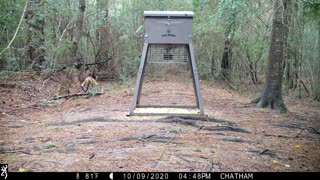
(93, 133)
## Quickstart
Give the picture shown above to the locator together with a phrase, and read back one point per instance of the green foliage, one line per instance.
(46, 101)
(49, 146)
(246, 23)
(93, 90)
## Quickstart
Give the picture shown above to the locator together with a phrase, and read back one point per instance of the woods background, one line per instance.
(231, 39)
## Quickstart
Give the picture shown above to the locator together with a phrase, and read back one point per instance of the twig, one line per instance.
(305, 88)
(44, 82)
(229, 83)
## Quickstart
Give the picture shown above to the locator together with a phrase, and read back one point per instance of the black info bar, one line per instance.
(159, 175)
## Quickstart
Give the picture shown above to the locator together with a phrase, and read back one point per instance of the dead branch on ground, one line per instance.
(75, 95)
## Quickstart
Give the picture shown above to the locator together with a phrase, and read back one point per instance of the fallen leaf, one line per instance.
(297, 146)
(287, 165)
(274, 162)
(22, 170)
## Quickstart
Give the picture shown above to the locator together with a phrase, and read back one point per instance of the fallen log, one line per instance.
(76, 95)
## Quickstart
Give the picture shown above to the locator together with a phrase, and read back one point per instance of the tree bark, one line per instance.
(227, 53)
(104, 39)
(78, 30)
(317, 84)
(102, 31)
(272, 93)
(293, 42)
(213, 66)
(226, 60)
(35, 34)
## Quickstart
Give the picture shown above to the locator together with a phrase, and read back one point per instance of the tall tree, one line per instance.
(78, 30)
(317, 93)
(102, 35)
(35, 33)
(293, 42)
(272, 93)
(229, 34)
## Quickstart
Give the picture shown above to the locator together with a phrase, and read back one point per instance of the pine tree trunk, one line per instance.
(229, 34)
(78, 30)
(35, 34)
(317, 84)
(272, 93)
(102, 33)
(226, 60)
(213, 66)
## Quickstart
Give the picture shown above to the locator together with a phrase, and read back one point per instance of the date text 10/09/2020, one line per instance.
(186, 176)
(156, 176)
(164, 176)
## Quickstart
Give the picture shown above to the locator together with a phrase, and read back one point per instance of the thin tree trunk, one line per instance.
(317, 84)
(213, 66)
(226, 60)
(35, 33)
(227, 53)
(78, 30)
(102, 34)
(272, 93)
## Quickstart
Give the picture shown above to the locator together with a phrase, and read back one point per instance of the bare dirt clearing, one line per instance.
(94, 133)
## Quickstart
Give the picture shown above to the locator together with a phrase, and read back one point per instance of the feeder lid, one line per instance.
(168, 14)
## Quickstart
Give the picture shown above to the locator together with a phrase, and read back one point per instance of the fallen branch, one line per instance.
(94, 119)
(224, 128)
(264, 152)
(76, 95)
(236, 140)
(150, 138)
(45, 81)
(247, 105)
(8, 85)
(295, 126)
(305, 87)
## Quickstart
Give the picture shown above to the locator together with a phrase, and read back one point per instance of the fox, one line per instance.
(89, 81)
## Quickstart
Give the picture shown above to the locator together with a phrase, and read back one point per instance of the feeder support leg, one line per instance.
(138, 86)
(196, 84)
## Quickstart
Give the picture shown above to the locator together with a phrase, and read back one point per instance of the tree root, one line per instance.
(201, 118)
(150, 138)
(95, 119)
(236, 140)
(265, 152)
(178, 120)
(294, 126)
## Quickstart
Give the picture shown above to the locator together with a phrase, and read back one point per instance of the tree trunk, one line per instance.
(227, 53)
(35, 34)
(102, 35)
(78, 30)
(272, 93)
(213, 66)
(317, 84)
(226, 60)
(293, 42)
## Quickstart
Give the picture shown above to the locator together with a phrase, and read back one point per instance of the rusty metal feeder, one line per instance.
(167, 39)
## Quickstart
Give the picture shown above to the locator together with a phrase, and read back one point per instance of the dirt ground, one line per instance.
(94, 134)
